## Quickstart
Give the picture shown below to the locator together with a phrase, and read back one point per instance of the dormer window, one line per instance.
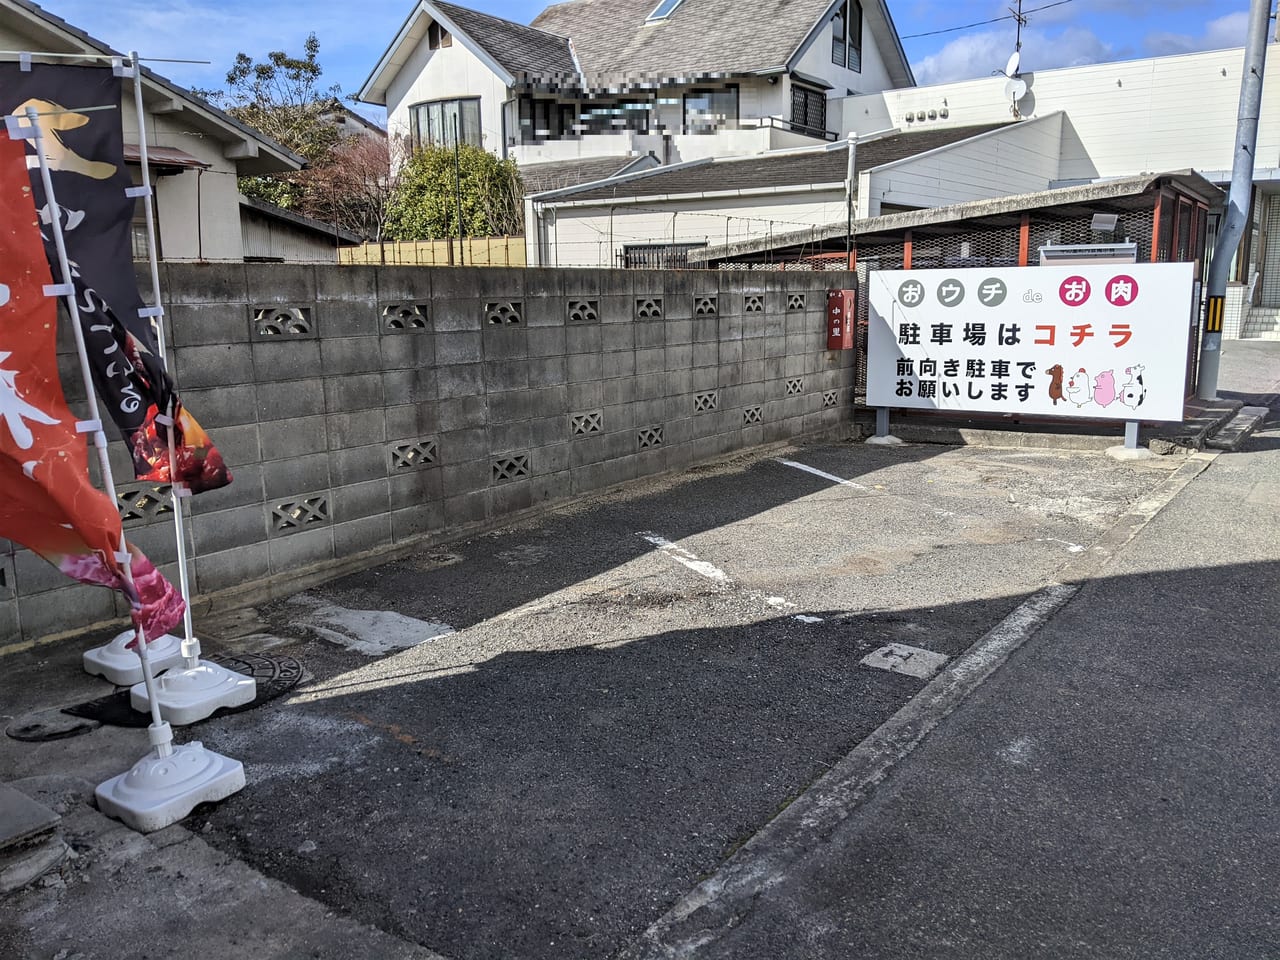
(663, 10)
(438, 37)
(846, 36)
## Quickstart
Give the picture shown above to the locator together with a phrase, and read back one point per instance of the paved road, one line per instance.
(1111, 792)
(614, 716)
(636, 685)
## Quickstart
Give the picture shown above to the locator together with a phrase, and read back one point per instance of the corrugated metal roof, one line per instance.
(1117, 189)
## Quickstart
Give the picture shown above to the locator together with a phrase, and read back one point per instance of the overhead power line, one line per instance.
(983, 23)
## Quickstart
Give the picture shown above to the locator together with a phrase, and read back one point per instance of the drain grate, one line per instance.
(275, 677)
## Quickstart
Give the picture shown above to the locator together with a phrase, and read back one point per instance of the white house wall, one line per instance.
(191, 228)
(443, 75)
(1123, 118)
(816, 61)
(1018, 159)
(588, 237)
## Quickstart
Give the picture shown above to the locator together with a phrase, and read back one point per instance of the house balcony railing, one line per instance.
(777, 123)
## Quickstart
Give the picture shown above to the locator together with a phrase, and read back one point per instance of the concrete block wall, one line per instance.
(366, 409)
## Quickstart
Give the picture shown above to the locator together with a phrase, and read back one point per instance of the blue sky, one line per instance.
(353, 36)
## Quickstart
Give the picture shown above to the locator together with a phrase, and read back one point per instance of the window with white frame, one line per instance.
(664, 9)
(846, 36)
(434, 124)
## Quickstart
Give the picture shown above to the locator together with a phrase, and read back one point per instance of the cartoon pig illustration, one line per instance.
(1079, 388)
(1054, 374)
(1134, 391)
(1104, 388)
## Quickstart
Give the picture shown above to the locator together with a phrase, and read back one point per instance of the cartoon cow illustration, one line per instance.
(1104, 388)
(1054, 374)
(1134, 391)
(1079, 388)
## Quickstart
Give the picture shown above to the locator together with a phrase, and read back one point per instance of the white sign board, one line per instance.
(1097, 341)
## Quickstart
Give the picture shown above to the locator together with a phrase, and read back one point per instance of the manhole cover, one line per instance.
(274, 676)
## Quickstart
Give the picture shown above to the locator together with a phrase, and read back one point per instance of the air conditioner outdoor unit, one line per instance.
(1072, 254)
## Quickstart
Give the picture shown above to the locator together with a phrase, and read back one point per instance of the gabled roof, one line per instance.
(608, 44)
(261, 154)
(515, 52)
(520, 49)
(779, 169)
(701, 38)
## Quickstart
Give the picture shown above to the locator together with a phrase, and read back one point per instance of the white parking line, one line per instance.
(822, 473)
(701, 567)
(683, 556)
(1071, 547)
(944, 514)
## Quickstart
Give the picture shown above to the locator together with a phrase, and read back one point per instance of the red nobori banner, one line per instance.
(85, 152)
(46, 500)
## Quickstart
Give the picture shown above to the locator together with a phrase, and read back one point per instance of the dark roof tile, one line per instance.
(561, 174)
(781, 169)
(522, 51)
(699, 38)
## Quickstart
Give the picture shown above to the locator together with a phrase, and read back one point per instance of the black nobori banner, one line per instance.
(84, 148)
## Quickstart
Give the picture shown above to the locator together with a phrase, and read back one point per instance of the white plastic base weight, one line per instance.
(159, 791)
(189, 694)
(117, 664)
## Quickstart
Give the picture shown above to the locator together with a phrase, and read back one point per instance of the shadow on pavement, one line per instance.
(546, 805)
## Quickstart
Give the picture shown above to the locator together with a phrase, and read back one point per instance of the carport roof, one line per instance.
(1113, 193)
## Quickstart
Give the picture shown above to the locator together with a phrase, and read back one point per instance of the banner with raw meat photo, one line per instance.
(85, 150)
(47, 503)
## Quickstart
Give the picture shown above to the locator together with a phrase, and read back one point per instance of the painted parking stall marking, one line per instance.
(709, 570)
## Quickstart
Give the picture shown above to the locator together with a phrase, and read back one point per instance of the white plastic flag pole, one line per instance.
(168, 783)
(197, 688)
(117, 664)
(148, 204)
(67, 291)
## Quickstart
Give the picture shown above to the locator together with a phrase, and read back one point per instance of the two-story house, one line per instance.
(676, 79)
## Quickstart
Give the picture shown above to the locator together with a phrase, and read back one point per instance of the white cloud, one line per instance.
(979, 54)
(1225, 31)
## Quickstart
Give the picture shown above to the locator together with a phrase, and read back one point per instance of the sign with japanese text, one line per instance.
(1097, 341)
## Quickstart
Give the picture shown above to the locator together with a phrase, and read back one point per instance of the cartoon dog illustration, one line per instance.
(1054, 374)
(1104, 388)
(1079, 388)
(1134, 391)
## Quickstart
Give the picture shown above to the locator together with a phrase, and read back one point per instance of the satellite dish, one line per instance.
(1011, 68)
(1015, 89)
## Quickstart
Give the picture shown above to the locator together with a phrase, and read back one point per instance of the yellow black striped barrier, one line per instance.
(1213, 314)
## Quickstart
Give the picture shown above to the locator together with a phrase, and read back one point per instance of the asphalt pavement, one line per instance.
(558, 739)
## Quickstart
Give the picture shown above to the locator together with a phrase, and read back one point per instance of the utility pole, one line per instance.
(1234, 221)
